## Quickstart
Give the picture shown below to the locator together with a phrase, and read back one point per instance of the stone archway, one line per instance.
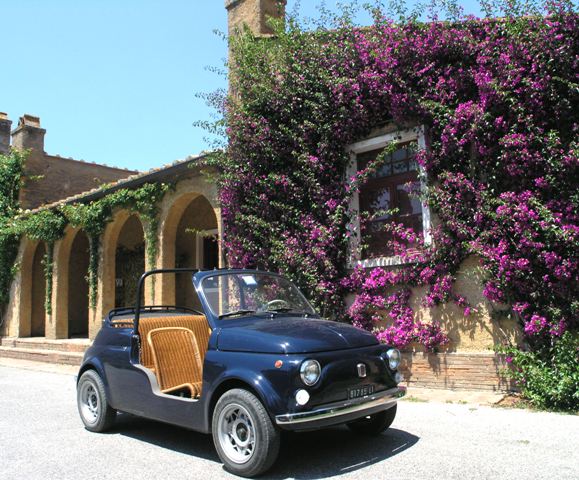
(126, 230)
(129, 261)
(196, 246)
(38, 293)
(70, 299)
(189, 233)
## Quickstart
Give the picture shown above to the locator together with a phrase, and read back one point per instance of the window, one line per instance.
(388, 196)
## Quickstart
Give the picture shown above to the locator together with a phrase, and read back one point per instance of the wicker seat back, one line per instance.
(196, 323)
(176, 359)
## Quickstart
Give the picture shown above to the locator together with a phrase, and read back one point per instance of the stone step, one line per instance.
(39, 343)
(42, 355)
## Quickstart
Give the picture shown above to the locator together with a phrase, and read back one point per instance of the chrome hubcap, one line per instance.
(236, 433)
(89, 402)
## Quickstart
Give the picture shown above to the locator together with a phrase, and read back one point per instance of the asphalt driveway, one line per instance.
(41, 437)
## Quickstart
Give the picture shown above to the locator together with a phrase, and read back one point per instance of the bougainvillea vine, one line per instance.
(498, 99)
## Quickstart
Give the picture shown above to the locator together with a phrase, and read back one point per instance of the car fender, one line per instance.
(255, 381)
(94, 363)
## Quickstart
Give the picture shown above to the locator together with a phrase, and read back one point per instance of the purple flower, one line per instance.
(536, 325)
(501, 165)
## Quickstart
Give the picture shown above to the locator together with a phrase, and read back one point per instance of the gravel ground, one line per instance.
(41, 437)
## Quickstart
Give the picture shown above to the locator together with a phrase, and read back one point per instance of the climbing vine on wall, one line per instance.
(498, 99)
(92, 219)
(10, 183)
(48, 226)
(94, 216)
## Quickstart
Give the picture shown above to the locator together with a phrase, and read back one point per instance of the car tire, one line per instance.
(244, 435)
(93, 407)
(374, 424)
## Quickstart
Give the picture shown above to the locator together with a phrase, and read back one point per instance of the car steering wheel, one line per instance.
(277, 304)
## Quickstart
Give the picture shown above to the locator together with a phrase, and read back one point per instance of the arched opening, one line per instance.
(196, 246)
(78, 264)
(129, 261)
(38, 293)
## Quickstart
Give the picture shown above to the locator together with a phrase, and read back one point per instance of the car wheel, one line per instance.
(374, 424)
(245, 438)
(91, 399)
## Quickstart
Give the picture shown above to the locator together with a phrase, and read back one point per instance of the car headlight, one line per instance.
(310, 371)
(394, 358)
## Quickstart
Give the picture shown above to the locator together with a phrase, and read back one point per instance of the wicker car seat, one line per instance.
(196, 323)
(177, 360)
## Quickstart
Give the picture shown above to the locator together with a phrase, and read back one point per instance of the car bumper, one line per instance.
(341, 412)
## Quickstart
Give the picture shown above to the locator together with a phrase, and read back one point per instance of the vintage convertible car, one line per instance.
(256, 361)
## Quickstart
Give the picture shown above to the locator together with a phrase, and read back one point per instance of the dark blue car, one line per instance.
(255, 361)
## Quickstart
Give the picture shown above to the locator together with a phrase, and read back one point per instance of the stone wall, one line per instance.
(65, 177)
(485, 327)
(455, 371)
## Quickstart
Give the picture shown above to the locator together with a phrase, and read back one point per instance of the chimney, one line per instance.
(28, 135)
(5, 126)
(254, 14)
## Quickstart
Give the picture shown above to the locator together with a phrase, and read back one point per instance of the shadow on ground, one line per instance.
(336, 451)
(311, 455)
(166, 436)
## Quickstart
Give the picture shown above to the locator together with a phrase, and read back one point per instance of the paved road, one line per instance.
(41, 437)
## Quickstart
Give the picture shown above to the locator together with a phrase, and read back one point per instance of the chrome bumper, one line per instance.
(358, 405)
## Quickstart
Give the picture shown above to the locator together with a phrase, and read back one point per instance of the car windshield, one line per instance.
(235, 294)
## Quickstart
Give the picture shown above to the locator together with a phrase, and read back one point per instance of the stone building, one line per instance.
(188, 228)
(49, 178)
(192, 206)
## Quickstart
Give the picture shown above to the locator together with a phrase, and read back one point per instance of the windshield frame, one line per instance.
(213, 317)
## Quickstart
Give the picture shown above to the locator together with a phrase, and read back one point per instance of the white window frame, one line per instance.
(400, 136)
(199, 250)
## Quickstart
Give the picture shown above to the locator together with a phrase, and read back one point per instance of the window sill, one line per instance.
(393, 261)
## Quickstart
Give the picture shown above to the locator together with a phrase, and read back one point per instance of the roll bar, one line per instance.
(141, 285)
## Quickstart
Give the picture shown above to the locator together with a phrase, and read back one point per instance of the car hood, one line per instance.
(291, 335)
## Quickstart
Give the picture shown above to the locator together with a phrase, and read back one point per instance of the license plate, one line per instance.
(362, 391)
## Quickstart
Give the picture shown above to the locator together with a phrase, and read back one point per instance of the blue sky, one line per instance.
(114, 81)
